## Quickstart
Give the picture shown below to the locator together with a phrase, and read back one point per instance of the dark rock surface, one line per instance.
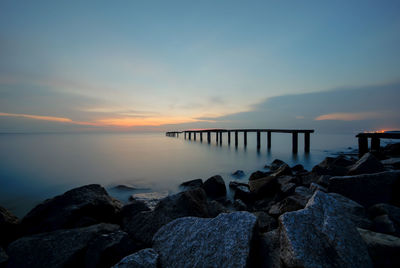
(146, 258)
(334, 166)
(265, 222)
(276, 164)
(223, 241)
(367, 164)
(392, 149)
(143, 225)
(78, 207)
(393, 163)
(215, 187)
(8, 226)
(269, 250)
(3, 257)
(192, 183)
(61, 248)
(383, 249)
(238, 174)
(258, 174)
(318, 236)
(243, 193)
(367, 189)
(386, 218)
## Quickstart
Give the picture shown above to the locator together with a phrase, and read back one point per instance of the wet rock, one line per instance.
(192, 183)
(215, 187)
(269, 250)
(151, 199)
(298, 168)
(239, 205)
(3, 257)
(78, 207)
(383, 224)
(61, 248)
(8, 227)
(367, 189)
(318, 236)
(224, 241)
(238, 173)
(276, 164)
(367, 164)
(133, 208)
(234, 185)
(143, 225)
(107, 249)
(291, 203)
(392, 213)
(258, 174)
(215, 208)
(264, 187)
(146, 258)
(383, 249)
(334, 166)
(265, 222)
(243, 193)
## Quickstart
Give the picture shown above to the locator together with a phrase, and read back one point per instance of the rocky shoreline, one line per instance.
(345, 212)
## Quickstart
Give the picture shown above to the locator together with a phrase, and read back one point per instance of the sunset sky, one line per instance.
(158, 65)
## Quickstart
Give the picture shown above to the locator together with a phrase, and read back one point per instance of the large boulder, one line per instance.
(224, 241)
(146, 258)
(368, 189)
(265, 222)
(294, 202)
(334, 166)
(320, 236)
(276, 164)
(192, 184)
(215, 187)
(78, 207)
(383, 249)
(269, 250)
(258, 174)
(143, 225)
(61, 248)
(8, 226)
(366, 165)
(386, 218)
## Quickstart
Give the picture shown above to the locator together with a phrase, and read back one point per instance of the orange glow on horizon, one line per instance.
(348, 116)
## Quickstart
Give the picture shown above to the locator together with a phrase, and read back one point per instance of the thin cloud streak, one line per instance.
(349, 116)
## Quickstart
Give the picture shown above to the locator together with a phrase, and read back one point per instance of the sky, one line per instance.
(166, 65)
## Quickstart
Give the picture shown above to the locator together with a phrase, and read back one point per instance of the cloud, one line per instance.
(350, 116)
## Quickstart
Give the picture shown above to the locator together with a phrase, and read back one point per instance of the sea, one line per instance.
(35, 167)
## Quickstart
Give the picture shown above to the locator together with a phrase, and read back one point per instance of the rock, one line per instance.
(146, 258)
(258, 174)
(366, 165)
(143, 225)
(392, 162)
(239, 205)
(287, 189)
(303, 192)
(215, 208)
(265, 222)
(298, 168)
(78, 207)
(224, 241)
(264, 187)
(383, 224)
(383, 249)
(215, 187)
(283, 170)
(192, 183)
(61, 248)
(392, 212)
(291, 203)
(276, 164)
(319, 236)
(337, 166)
(324, 180)
(8, 227)
(107, 249)
(151, 199)
(269, 250)
(234, 185)
(316, 187)
(238, 173)
(392, 149)
(133, 208)
(243, 193)
(367, 189)
(123, 187)
(3, 257)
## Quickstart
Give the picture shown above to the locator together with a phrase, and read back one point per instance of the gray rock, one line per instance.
(383, 224)
(259, 174)
(366, 165)
(383, 249)
(367, 189)
(265, 186)
(215, 187)
(215, 208)
(143, 225)
(283, 170)
(192, 183)
(276, 164)
(61, 248)
(78, 207)
(337, 166)
(238, 173)
(239, 205)
(291, 203)
(324, 180)
(386, 218)
(146, 258)
(243, 193)
(303, 192)
(133, 208)
(316, 187)
(8, 227)
(319, 236)
(269, 250)
(151, 199)
(223, 241)
(3, 257)
(265, 222)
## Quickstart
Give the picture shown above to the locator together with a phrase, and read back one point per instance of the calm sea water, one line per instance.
(34, 167)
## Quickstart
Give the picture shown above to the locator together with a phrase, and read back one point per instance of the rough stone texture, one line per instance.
(269, 250)
(61, 248)
(143, 225)
(133, 208)
(265, 222)
(316, 187)
(146, 258)
(192, 183)
(332, 166)
(386, 218)
(291, 203)
(224, 241)
(264, 186)
(78, 207)
(319, 236)
(215, 208)
(215, 187)
(258, 174)
(8, 226)
(243, 193)
(3, 257)
(107, 249)
(383, 249)
(366, 165)
(367, 189)
(276, 164)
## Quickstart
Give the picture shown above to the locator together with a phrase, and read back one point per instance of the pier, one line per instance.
(219, 136)
(375, 140)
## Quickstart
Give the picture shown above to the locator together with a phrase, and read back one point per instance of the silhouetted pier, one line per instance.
(375, 140)
(218, 136)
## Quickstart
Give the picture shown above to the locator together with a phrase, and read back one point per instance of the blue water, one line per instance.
(34, 167)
